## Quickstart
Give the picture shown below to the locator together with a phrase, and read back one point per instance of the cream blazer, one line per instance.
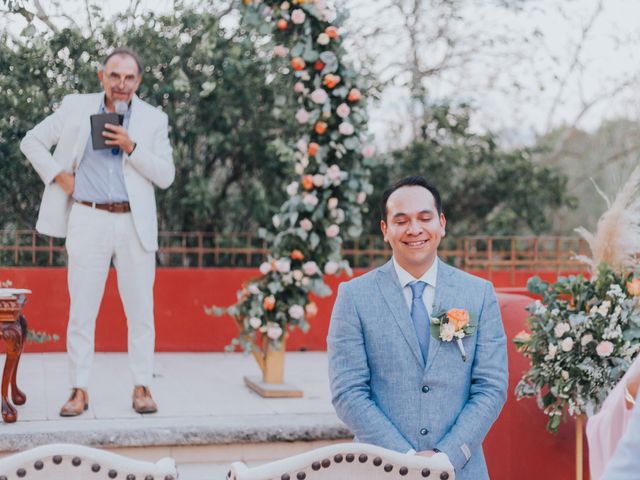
(68, 129)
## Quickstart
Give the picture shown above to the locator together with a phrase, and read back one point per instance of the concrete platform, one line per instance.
(207, 416)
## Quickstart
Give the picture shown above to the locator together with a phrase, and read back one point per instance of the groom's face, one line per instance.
(413, 228)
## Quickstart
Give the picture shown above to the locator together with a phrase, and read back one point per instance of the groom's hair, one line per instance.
(414, 181)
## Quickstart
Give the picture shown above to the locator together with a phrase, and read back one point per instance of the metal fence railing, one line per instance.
(204, 249)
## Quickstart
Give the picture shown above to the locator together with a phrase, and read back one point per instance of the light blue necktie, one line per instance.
(420, 317)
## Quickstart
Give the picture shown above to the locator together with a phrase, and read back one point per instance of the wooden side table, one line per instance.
(13, 330)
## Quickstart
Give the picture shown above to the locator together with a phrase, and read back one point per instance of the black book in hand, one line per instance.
(97, 127)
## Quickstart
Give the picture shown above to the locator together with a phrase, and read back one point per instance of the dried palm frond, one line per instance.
(616, 240)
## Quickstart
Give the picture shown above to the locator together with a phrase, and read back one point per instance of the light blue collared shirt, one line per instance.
(429, 277)
(100, 176)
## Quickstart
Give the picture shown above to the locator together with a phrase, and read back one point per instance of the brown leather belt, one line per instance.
(121, 207)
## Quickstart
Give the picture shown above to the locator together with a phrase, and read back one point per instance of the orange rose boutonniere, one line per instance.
(453, 324)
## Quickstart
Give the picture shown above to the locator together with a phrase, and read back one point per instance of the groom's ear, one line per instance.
(383, 228)
(443, 224)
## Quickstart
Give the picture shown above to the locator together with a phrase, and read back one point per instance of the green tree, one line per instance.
(485, 189)
(216, 85)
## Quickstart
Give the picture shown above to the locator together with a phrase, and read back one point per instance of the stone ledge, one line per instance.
(167, 431)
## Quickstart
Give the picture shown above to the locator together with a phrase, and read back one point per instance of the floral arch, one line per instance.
(327, 196)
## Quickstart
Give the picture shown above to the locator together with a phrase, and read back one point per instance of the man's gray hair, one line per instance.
(126, 52)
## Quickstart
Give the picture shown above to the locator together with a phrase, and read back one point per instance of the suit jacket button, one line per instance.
(425, 388)
(423, 431)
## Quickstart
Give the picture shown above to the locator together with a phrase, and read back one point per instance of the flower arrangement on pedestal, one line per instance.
(329, 174)
(585, 332)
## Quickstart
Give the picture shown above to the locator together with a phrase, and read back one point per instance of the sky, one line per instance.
(512, 94)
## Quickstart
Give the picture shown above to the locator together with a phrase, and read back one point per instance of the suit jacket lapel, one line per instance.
(443, 300)
(134, 125)
(89, 108)
(391, 289)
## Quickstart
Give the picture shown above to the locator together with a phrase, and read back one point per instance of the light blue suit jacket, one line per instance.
(383, 391)
(625, 463)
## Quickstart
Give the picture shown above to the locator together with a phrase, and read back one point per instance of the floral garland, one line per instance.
(584, 335)
(326, 199)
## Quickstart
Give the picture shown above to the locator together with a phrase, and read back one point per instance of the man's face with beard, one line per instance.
(120, 79)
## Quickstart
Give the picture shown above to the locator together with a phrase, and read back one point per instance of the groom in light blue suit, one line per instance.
(393, 383)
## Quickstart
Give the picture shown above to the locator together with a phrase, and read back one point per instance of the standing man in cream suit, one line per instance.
(103, 202)
(393, 383)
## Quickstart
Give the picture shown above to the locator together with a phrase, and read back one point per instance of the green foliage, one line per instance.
(583, 336)
(218, 88)
(485, 189)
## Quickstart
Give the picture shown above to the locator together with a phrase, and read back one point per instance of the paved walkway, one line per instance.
(202, 400)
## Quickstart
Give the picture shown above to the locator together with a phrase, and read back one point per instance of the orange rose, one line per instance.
(331, 80)
(297, 255)
(311, 309)
(269, 303)
(307, 182)
(282, 24)
(318, 65)
(321, 128)
(313, 149)
(458, 317)
(297, 63)
(354, 95)
(332, 32)
(633, 287)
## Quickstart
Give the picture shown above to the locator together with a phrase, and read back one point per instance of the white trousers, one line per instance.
(94, 238)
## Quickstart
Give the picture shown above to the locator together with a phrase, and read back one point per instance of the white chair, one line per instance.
(348, 461)
(77, 462)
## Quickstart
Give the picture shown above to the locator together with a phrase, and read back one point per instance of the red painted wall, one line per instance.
(517, 445)
(180, 297)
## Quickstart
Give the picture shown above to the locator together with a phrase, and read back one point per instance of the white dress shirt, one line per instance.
(429, 277)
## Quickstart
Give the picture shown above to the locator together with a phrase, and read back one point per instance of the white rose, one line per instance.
(553, 349)
(319, 96)
(310, 200)
(567, 344)
(565, 374)
(292, 189)
(343, 110)
(318, 180)
(306, 224)
(255, 322)
(265, 268)
(283, 265)
(297, 275)
(310, 268)
(284, 5)
(332, 231)
(280, 51)
(334, 172)
(604, 349)
(332, 203)
(368, 151)
(302, 116)
(302, 145)
(298, 16)
(447, 331)
(331, 267)
(323, 39)
(274, 331)
(253, 289)
(586, 339)
(298, 87)
(561, 328)
(345, 128)
(296, 311)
